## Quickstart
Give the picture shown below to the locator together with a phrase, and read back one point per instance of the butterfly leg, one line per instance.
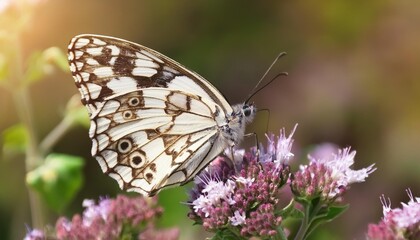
(257, 154)
(231, 159)
(255, 135)
(268, 117)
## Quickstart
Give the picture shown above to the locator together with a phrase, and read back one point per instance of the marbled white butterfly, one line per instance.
(154, 123)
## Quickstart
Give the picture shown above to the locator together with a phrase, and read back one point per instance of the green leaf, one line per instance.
(226, 234)
(56, 56)
(41, 64)
(281, 234)
(14, 139)
(291, 211)
(331, 213)
(35, 68)
(326, 215)
(254, 205)
(57, 180)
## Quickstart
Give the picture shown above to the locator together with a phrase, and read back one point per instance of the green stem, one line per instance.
(56, 134)
(311, 212)
(33, 157)
(280, 234)
(305, 223)
(235, 232)
(314, 213)
(24, 110)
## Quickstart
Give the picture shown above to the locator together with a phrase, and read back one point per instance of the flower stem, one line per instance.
(313, 214)
(55, 135)
(311, 211)
(235, 232)
(33, 157)
(280, 234)
(305, 223)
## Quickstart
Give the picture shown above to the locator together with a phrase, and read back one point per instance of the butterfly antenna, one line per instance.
(265, 85)
(254, 90)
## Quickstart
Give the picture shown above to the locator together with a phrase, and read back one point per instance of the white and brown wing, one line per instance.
(153, 122)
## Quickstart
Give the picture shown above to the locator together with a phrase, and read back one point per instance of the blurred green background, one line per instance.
(354, 80)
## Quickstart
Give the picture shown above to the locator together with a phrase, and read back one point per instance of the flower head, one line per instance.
(35, 234)
(213, 194)
(93, 211)
(107, 218)
(397, 223)
(113, 219)
(328, 177)
(243, 194)
(340, 164)
(262, 222)
(278, 150)
(314, 180)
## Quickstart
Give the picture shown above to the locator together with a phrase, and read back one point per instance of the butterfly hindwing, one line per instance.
(142, 145)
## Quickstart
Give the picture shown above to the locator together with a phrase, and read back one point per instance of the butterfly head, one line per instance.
(243, 111)
(242, 114)
(248, 112)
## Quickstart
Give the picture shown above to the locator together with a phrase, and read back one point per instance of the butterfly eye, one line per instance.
(124, 146)
(246, 110)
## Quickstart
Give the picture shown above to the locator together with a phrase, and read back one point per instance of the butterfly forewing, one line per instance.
(153, 122)
(100, 60)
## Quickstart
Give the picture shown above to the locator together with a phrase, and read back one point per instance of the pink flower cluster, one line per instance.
(111, 219)
(243, 199)
(242, 195)
(398, 223)
(328, 176)
(246, 201)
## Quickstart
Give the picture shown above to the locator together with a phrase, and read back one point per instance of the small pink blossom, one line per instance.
(237, 218)
(279, 150)
(409, 214)
(212, 194)
(338, 170)
(93, 211)
(397, 223)
(247, 181)
(35, 234)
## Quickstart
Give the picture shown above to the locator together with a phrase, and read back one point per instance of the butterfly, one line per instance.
(154, 123)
